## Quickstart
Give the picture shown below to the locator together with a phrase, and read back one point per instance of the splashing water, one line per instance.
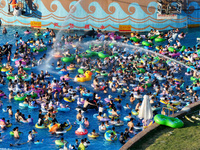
(149, 51)
(56, 47)
(132, 47)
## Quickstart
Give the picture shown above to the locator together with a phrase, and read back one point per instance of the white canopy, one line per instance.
(145, 112)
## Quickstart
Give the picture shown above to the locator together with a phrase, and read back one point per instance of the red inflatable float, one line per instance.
(81, 133)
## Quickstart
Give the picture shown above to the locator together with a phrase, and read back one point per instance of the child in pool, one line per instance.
(29, 119)
(129, 116)
(43, 45)
(99, 117)
(2, 93)
(94, 133)
(8, 123)
(72, 65)
(127, 106)
(102, 127)
(10, 111)
(86, 122)
(38, 31)
(38, 141)
(4, 31)
(113, 137)
(16, 34)
(105, 91)
(63, 69)
(34, 131)
(119, 121)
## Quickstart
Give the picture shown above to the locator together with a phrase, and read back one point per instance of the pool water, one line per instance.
(49, 140)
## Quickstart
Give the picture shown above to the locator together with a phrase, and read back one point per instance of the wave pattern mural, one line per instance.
(104, 14)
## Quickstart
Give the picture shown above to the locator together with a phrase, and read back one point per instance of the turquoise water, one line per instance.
(100, 142)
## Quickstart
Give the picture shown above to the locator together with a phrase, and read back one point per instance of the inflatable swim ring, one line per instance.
(59, 143)
(108, 134)
(159, 39)
(68, 59)
(19, 98)
(40, 127)
(168, 121)
(92, 136)
(25, 32)
(64, 109)
(81, 133)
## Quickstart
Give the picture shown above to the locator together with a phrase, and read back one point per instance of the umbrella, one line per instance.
(145, 112)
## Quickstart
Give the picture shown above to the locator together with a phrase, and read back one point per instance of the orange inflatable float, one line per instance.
(54, 128)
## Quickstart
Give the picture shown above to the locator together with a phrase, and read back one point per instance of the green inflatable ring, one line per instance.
(81, 71)
(135, 39)
(182, 48)
(171, 49)
(153, 37)
(102, 55)
(168, 121)
(12, 133)
(19, 98)
(10, 77)
(104, 74)
(159, 39)
(38, 34)
(81, 56)
(148, 85)
(145, 43)
(193, 79)
(34, 95)
(108, 133)
(92, 52)
(141, 70)
(38, 50)
(68, 59)
(59, 143)
(26, 69)
(87, 55)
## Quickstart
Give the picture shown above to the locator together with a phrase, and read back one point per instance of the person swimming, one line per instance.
(4, 31)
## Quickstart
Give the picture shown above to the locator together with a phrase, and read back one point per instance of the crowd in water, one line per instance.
(110, 67)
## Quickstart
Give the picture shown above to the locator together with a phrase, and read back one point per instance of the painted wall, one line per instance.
(193, 12)
(105, 14)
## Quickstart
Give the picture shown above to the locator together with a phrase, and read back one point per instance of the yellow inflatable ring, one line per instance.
(92, 136)
(39, 127)
(70, 127)
(4, 70)
(116, 117)
(162, 101)
(68, 100)
(117, 99)
(179, 80)
(87, 77)
(9, 125)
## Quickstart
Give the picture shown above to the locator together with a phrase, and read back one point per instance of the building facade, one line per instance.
(112, 15)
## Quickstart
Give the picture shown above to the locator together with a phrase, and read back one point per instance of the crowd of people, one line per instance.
(110, 68)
